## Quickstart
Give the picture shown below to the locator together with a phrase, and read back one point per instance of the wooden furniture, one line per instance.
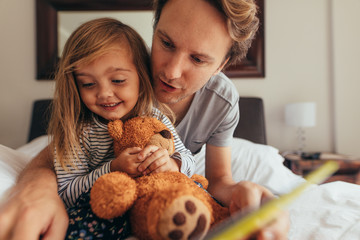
(47, 55)
(349, 170)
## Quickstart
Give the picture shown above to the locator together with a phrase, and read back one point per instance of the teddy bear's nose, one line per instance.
(166, 134)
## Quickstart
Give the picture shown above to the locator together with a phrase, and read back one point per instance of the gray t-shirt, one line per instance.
(212, 116)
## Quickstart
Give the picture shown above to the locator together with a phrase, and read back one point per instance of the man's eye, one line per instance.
(197, 60)
(166, 44)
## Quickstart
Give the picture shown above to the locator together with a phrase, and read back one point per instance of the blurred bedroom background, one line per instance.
(311, 55)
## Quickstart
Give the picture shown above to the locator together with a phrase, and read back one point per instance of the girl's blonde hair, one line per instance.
(88, 42)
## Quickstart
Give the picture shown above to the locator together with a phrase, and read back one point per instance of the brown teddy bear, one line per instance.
(139, 132)
(166, 205)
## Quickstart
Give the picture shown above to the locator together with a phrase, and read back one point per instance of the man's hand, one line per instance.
(276, 230)
(31, 212)
(33, 209)
(250, 196)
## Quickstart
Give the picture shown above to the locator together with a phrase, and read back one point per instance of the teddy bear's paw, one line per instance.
(186, 218)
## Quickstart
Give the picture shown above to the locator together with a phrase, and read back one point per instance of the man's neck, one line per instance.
(181, 108)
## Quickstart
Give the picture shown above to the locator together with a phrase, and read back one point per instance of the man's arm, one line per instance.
(33, 208)
(240, 196)
(218, 172)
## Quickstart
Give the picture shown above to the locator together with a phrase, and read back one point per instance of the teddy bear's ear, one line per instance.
(166, 134)
(116, 129)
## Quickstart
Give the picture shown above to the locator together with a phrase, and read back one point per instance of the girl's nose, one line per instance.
(105, 91)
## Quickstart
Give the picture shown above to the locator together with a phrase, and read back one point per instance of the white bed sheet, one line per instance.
(330, 211)
(326, 212)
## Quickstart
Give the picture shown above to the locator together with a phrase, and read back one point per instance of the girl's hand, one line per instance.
(155, 159)
(127, 162)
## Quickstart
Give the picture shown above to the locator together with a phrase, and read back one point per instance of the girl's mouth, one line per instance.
(110, 106)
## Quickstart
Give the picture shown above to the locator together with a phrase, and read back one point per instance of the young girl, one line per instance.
(103, 75)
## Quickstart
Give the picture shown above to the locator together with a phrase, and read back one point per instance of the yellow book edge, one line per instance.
(238, 227)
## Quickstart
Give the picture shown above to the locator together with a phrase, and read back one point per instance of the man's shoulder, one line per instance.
(223, 87)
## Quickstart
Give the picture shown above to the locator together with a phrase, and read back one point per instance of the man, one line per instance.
(193, 41)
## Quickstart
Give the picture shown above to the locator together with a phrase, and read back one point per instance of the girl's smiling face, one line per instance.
(109, 86)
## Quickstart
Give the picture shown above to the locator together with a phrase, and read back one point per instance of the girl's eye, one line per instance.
(87, 85)
(118, 81)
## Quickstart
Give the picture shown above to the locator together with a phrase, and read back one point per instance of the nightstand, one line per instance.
(349, 170)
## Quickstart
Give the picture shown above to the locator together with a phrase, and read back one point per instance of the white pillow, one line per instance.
(12, 161)
(258, 163)
(35, 146)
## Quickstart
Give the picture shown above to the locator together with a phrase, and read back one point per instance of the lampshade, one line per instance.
(301, 114)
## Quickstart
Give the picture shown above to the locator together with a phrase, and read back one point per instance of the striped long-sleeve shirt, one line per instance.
(96, 156)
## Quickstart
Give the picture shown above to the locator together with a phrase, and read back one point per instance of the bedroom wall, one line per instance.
(346, 64)
(311, 55)
(18, 86)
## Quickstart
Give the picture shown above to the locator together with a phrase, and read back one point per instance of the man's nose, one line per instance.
(175, 66)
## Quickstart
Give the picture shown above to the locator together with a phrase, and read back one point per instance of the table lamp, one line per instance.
(301, 115)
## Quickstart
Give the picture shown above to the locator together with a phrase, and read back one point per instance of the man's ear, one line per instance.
(221, 66)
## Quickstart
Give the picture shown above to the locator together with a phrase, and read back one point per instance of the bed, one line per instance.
(325, 212)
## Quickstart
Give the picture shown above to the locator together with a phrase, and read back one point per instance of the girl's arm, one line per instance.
(94, 161)
(95, 157)
(77, 180)
(182, 154)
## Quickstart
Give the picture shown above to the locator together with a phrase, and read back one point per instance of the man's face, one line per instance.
(189, 46)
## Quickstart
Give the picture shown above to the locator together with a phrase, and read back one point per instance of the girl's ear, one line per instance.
(221, 66)
(116, 129)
